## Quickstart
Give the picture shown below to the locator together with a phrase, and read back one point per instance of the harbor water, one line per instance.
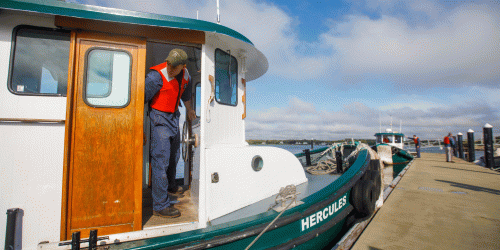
(294, 149)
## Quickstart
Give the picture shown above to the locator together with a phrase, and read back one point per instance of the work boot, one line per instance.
(168, 212)
(176, 190)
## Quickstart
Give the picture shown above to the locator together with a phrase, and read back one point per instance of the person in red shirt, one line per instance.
(447, 147)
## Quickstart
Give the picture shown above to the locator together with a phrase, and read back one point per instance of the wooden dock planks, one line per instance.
(438, 205)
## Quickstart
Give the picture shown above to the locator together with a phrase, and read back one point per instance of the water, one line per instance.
(294, 149)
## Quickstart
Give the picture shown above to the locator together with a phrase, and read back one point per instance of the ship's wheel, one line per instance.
(188, 140)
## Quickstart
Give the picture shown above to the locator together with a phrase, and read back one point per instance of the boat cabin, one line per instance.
(392, 138)
(74, 129)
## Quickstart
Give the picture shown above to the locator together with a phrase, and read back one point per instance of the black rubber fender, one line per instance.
(363, 198)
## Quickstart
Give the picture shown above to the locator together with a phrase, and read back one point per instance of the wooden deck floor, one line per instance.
(183, 202)
(438, 205)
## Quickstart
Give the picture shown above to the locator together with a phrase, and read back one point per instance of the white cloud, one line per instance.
(462, 47)
(360, 121)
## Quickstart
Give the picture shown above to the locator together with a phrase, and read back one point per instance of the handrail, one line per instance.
(29, 120)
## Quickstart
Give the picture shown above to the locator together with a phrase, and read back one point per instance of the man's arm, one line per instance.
(190, 113)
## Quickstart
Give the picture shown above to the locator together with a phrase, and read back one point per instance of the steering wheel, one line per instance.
(188, 141)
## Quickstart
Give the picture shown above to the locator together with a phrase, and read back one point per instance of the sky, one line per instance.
(339, 69)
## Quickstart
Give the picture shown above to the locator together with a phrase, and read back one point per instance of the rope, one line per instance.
(329, 166)
(287, 193)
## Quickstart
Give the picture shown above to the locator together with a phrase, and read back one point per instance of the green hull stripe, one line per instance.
(116, 15)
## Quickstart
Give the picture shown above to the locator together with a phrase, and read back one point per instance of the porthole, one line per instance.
(257, 163)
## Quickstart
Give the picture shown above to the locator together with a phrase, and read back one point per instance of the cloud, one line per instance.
(461, 47)
(357, 120)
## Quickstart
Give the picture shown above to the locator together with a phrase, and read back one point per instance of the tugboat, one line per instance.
(390, 148)
(75, 166)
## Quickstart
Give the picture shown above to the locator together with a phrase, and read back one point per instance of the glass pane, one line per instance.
(108, 78)
(226, 78)
(99, 73)
(198, 99)
(40, 64)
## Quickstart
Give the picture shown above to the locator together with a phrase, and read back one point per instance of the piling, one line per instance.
(10, 234)
(470, 142)
(460, 145)
(307, 152)
(488, 145)
(338, 157)
(75, 241)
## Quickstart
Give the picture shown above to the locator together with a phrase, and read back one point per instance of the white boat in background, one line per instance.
(391, 138)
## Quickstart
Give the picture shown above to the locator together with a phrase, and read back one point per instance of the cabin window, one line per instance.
(197, 104)
(398, 139)
(39, 61)
(226, 78)
(107, 78)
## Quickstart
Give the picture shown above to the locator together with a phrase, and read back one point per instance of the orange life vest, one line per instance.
(446, 140)
(415, 140)
(168, 98)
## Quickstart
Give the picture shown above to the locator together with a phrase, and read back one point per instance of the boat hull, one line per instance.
(312, 225)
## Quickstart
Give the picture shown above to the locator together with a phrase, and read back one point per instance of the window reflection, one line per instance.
(40, 61)
(226, 78)
(107, 78)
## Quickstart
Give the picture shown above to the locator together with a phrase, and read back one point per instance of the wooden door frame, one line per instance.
(74, 62)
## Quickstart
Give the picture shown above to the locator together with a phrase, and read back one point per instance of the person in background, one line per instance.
(416, 140)
(447, 147)
(165, 86)
(386, 140)
(453, 146)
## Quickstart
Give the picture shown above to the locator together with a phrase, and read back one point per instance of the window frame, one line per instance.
(237, 77)
(84, 87)
(12, 59)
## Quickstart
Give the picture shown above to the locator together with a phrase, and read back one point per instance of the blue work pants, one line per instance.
(164, 151)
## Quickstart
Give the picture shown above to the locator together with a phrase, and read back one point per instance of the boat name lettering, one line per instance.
(319, 216)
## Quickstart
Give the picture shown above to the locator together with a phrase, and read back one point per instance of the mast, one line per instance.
(218, 14)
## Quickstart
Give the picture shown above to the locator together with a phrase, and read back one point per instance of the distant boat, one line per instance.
(390, 148)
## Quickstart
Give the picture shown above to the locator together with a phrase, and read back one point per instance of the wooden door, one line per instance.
(104, 182)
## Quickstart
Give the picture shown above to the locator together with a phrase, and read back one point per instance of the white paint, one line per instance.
(150, 232)
(239, 185)
(31, 179)
(31, 155)
(34, 107)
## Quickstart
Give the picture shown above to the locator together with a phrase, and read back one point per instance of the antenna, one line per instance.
(380, 123)
(218, 14)
(391, 122)
(197, 14)
(400, 131)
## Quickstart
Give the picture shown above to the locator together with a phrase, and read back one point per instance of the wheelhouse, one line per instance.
(391, 138)
(75, 132)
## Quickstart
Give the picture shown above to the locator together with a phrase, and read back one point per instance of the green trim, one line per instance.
(269, 239)
(390, 134)
(312, 151)
(54, 7)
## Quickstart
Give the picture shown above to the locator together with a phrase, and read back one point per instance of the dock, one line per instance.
(438, 205)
